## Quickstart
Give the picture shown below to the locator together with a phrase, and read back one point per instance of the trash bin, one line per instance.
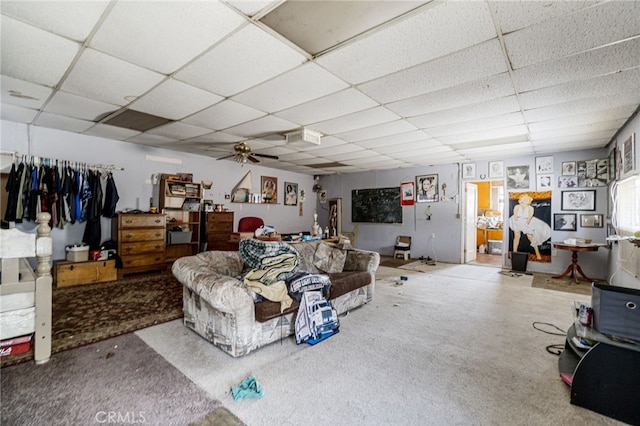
(519, 261)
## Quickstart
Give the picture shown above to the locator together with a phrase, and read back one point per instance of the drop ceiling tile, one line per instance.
(60, 122)
(515, 15)
(619, 113)
(73, 19)
(174, 100)
(602, 128)
(485, 123)
(474, 92)
(224, 114)
(17, 113)
(586, 29)
(468, 65)
(22, 93)
(34, 55)
(252, 7)
(414, 40)
(582, 66)
(75, 106)
(328, 107)
(356, 120)
(583, 106)
(399, 138)
(215, 138)
(571, 142)
(623, 81)
(102, 77)
(335, 150)
(264, 126)
(151, 139)
(295, 87)
(377, 131)
(420, 147)
(222, 70)
(488, 134)
(378, 159)
(505, 150)
(179, 30)
(111, 132)
(295, 156)
(355, 155)
(178, 131)
(327, 141)
(464, 113)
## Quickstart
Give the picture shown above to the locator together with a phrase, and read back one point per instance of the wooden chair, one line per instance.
(402, 247)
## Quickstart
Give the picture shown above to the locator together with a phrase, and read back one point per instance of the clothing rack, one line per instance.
(51, 161)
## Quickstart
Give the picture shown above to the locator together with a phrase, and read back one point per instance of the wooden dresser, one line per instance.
(141, 241)
(219, 229)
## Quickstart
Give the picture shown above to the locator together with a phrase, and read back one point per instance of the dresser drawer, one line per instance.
(220, 217)
(220, 227)
(145, 260)
(142, 220)
(142, 247)
(133, 235)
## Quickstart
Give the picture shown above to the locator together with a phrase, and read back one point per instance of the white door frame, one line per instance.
(469, 217)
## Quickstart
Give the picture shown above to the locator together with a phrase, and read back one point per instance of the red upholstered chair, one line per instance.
(249, 224)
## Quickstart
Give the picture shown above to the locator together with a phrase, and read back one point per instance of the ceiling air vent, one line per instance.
(304, 136)
(135, 120)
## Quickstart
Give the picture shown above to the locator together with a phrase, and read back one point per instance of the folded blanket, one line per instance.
(279, 260)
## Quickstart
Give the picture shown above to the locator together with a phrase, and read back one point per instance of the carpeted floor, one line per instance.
(120, 380)
(391, 262)
(90, 313)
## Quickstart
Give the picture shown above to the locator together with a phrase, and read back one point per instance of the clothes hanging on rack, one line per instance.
(111, 197)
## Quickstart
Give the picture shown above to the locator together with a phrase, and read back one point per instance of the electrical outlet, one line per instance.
(554, 252)
(433, 235)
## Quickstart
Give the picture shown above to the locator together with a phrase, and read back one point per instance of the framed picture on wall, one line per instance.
(496, 169)
(591, 221)
(579, 200)
(469, 171)
(407, 191)
(629, 156)
(564, 222)
(568, 168)
(290, 194)
(544, 165)
(427, 188)
(518, 177)
(544, 182)
(269, 188)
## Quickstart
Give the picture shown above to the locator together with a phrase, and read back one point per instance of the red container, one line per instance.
(15, 346)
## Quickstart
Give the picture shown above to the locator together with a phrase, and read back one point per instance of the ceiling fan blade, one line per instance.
(273, 157)
(226, 156)
(252, 158)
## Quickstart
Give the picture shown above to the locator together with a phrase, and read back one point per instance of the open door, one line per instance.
(470, 212)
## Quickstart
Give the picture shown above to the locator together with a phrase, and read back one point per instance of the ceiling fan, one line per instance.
(242, 154)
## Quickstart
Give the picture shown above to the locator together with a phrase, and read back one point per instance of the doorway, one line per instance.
(488, 218)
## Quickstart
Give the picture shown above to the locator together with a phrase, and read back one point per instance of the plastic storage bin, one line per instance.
(78, 253)
(178, 237)
(616, 311)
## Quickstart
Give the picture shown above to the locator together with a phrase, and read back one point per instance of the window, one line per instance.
(627, 206)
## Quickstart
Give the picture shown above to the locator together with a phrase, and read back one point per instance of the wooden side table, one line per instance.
(574, 269)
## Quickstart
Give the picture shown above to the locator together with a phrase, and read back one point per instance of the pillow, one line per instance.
(329, 259)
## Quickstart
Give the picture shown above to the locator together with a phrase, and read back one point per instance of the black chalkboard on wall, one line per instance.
(378, 205)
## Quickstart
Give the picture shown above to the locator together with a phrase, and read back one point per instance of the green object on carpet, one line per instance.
(248, 388)
(219, 417)
(90, 313)
(566, 284)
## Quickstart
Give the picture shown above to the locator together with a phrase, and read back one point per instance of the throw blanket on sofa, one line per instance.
(272, 262)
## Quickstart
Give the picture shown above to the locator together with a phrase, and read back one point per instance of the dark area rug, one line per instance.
(116, 381)
(566, 284)
(391, 262)
(89, 313)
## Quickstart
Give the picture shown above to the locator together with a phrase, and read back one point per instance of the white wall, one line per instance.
(134, 182)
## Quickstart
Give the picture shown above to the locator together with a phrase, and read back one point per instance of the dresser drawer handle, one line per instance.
(158, 246)
(128, 221)
(129, 262)
(158, 221)
(128, 235)
(158, 234)
(157, 259)
(128, 249)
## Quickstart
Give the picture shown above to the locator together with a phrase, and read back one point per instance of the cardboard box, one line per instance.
(15, 346)
(78, 253)
(616, 311)
(235, 237)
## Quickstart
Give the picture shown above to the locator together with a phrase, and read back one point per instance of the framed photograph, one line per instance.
(427, 188)
(518, 177)
(496, 169)
(290, 194)
(612, 163)
(544, 165)
(269, 189)
(591, 221)
(407, 191)
(592, 173)
(567, 181)
(564, 222)
(629, 156)
(579, 200)
(544, 182)
(468, 171)
(568, 168)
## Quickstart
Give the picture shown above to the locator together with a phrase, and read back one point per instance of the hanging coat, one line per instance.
(111, 198)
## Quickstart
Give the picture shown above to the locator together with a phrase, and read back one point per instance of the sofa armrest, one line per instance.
(362, 260)
(222, 291)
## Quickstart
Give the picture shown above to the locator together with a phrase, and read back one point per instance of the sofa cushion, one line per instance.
(341, 283)
(329, 259)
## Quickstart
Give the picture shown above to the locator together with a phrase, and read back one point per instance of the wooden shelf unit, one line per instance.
(180, 201)
(219, 230)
